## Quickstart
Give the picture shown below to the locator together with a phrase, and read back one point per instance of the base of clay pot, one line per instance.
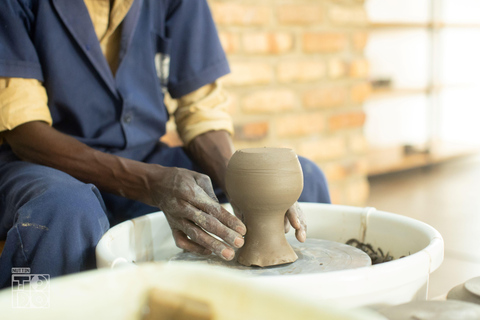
(248, 257)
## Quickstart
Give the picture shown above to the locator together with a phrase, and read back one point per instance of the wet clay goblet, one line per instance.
(262, 184)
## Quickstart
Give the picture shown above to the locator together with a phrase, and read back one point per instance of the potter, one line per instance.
(263, 183)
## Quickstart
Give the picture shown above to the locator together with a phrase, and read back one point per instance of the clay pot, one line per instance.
(262, 184)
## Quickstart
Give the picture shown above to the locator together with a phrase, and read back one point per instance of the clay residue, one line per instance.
(34, 225)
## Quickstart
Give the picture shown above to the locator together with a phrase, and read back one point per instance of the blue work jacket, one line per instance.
(54, 41)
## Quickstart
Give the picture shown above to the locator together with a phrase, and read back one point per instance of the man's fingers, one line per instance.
(286, 224)
(212, 225)
(231, 221)
(183, 242)
(203, 202)
(297, 220)
(237, 212)
(207, 241)
(206, 184)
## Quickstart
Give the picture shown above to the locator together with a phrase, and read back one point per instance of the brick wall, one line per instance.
(299, 80)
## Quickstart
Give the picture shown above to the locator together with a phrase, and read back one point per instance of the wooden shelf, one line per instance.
(388, 160)
(399, 25)
(393, 92)
(389, 92)
(398, 158)
(435, 25)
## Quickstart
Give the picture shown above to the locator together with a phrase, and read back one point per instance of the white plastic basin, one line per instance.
(122, 294)
(148, 238)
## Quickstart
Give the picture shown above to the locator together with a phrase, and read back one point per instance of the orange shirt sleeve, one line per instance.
(21, 101)
(203, 110)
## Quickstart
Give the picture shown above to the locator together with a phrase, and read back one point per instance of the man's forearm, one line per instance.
(39, 143)
(212, 151)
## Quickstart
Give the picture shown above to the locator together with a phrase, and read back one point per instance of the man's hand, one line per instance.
(293, 217)
(192, 210)
(296, 219)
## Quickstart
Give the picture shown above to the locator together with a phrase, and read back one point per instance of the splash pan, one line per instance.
(314, 256)
(148, 238)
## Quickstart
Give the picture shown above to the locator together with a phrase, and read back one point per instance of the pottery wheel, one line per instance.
(468, 291)
(314, 256)
(433, 310)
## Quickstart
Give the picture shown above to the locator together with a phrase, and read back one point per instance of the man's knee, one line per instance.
(57, 228)
(67, 202)
(315, 187)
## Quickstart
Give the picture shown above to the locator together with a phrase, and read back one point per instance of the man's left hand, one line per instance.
(295, 218)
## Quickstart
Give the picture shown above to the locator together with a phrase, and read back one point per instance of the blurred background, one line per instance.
(382, 94)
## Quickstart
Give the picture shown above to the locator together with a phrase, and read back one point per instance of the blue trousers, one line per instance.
(52, 222)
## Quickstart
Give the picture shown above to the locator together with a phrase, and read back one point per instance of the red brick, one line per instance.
(360, 92)
(359, 41)
(267, 43)
(359, 68)
(269, 101)
(334, 171)
(301, 71)
(321, 42)
(361, 167)
(299, 125)
(230, 42)
(238, 14)
(348, 15)
(325, 97)
(346, 120)
(358, 144)
(300, 14)
(340, 170)
(326, 149)
(251, 131)
(357, 192)
(337, 68)
(249, 73)
(336, 194)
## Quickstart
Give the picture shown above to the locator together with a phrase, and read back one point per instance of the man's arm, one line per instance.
(186, 197)
(212, 151)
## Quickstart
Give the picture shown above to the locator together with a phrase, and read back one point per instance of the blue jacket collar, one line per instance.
(76, 18)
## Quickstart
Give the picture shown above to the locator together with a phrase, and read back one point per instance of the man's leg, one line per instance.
(51, 222)
(315, 187)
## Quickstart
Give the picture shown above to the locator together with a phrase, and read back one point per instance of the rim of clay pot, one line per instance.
(264, 149)
(261, 159)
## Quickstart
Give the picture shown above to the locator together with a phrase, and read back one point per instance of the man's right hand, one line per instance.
(192, 210)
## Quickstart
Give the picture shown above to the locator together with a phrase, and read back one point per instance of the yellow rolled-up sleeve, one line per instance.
(203, 110)
(21, 101)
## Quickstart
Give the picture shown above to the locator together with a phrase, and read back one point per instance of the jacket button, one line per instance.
(127, 118)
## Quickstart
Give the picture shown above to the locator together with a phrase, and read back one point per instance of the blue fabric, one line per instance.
(51, 221)
(55, 42)
(315, 187)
